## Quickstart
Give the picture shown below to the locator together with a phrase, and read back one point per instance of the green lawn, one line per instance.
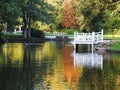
(11, 35)
(110, 37)
(115, 46)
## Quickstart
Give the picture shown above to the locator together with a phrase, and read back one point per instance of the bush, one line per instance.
(37, 33)
(70, 31)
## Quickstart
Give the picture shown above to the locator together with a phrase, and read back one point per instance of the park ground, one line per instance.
(114, 39)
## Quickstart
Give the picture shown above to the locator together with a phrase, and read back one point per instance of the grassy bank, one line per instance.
(8, 37)
(11, 37)
(112, 37)
(115, 47)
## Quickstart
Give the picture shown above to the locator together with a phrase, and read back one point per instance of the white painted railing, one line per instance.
(88, 38)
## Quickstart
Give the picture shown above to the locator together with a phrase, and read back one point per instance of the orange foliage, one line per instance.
(69, 18)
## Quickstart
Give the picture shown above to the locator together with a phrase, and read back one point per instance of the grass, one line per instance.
(115, 46)
(11, 35)
(110, 37)
(58, 34)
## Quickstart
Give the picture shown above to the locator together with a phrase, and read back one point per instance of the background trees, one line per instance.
(84, 15)
(97, 14)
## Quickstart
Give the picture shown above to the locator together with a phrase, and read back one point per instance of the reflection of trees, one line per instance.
(11, 74)
(53, 77)
(15, 76)
(111, 72)
(107, 79)
(38, 65)
(71, 73)
(91, 80)
(43, 66)
(14, 52)
(1, 56)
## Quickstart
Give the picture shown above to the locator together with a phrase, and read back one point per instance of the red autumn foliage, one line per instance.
(69, 16)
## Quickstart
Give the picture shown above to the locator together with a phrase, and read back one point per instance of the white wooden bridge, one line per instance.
(88, 59)
(88, 38)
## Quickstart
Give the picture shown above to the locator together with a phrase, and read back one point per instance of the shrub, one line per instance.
(37, 33)
(70, 31)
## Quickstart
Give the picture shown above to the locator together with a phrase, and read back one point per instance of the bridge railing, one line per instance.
(88, 38)
(99, 36)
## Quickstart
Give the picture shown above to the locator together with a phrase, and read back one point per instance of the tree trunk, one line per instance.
(29, 28)
(25, 33)
(25, 27)
(112, 35)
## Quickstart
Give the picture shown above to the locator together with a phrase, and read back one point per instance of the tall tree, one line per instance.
(69, 16)
(35, 10)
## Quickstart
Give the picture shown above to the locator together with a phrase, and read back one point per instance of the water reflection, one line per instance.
(13, 53)
(51, 66)
(90, 60)
(71, 74)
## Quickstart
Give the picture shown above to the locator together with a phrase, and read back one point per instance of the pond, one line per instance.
(54, 65)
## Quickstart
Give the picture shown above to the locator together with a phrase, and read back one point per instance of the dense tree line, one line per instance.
(83, 15)
(97, 14)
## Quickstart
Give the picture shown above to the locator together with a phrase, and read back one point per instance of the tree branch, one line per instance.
(114, 3)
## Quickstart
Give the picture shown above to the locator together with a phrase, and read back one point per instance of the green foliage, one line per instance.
(35, 10)
(87, 11)
(10, 13)
(38, 10)
(29, 10)
(70, 31)
(97, 14)
(92, 15)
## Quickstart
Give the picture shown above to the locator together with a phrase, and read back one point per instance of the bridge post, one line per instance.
(102, 34)
(93, 39)
(75, 40)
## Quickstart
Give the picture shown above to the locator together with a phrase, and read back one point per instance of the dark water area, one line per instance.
(56, 66)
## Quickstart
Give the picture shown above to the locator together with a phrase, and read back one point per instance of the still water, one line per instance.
(56, 66)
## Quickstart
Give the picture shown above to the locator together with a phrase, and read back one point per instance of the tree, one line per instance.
(9, 13)
(97, 14)
(111, 17)
(35, 10)
(87, 11)
(29, 10)
(69, 16)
